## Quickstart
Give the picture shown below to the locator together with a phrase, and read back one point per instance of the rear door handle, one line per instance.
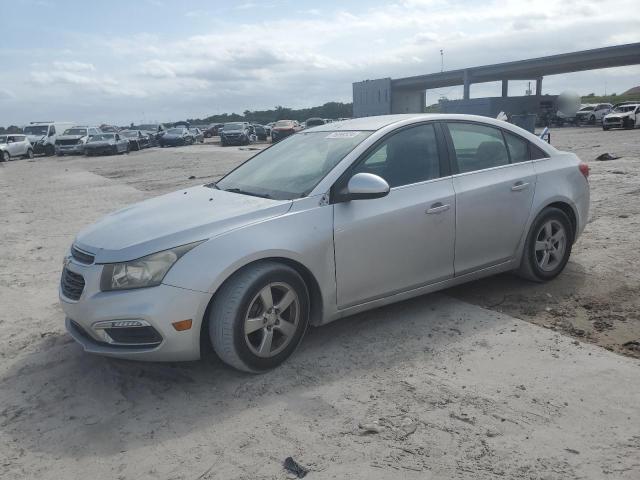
(438, 207)
(519, 186)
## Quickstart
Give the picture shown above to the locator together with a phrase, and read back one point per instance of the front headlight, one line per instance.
(144, 272)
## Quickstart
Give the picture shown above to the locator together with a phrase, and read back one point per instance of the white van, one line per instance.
(42, 135)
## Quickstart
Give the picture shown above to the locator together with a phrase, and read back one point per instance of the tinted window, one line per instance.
(537, 153)
(518, 148)
(409, 156)
(477, 146)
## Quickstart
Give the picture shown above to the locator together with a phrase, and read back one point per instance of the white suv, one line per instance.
(625, 115)
(15, 145)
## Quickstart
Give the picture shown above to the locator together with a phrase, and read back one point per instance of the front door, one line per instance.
(406, 239)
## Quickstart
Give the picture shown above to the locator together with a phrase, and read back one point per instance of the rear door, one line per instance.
(494, 184)
(404, 240)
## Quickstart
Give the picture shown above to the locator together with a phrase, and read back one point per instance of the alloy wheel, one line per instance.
(550, 246)
(272, 319)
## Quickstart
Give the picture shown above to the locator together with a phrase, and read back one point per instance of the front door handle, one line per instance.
(438, 207)
(519, 186)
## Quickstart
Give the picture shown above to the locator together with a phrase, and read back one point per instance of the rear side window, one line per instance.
(409, 156)
(477, 147)
(537, 153)
(518, 148)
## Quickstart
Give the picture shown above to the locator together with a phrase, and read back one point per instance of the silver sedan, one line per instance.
(331, 221)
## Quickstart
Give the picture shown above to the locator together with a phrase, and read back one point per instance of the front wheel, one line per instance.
(6, 156)
(548, 246)
(29, 154)
(259, 317)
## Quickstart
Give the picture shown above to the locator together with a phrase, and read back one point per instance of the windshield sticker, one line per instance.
(342, 135)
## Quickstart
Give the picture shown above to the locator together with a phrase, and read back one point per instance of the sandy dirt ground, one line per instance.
(450, 385)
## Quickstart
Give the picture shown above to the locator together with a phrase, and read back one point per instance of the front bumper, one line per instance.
(108, 150)
(77, 149)
(173, 143)
(157, 307)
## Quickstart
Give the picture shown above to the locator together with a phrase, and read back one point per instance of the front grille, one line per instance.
(72, 284)
(134, 335)
(82, 257)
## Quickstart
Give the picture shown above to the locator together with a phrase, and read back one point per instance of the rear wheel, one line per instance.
(259, 317)
(548, 246)
(6, 156)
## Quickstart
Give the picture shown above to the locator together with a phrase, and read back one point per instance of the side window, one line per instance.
(409, 156)
(52, 130)
(477, 146)
(537, 153)
(518, 148)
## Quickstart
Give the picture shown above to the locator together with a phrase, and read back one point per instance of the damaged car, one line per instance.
(335, 220)
(625, 115)
(137, 139)
(73, 140)
(177, 137)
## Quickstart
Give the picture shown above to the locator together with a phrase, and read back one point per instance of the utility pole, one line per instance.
(441, 60)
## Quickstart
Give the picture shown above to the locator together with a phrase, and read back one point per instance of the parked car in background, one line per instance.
(198, 134)
(284, 128)
(43, 135)
(73, 140)
(15, 145)
(217, 129)
(261, 132)
(109, 128)
(210, 131)
(155, 129)
(177, 136)
(106, 144)
(314, 122)
(267, 128)
(137, 139)
(328, 223)
(593, 113)
(626, 115)
(236, 133)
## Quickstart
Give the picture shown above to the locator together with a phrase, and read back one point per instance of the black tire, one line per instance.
(605, 128)
(49, 150)
(29, 154)
(231, 305)
(114, 150)
(6, 156)
(592, 120)
(529, 266)
(60, 154)
(629, 124)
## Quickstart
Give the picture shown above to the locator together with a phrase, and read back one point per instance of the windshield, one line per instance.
(586, 109)
(148, 127)
(102, 137)
(75, 131)
(36, 129)
(129, 133)
(175, 131)
(232, 126)
(284, 123)
(625, 108)
(292, 168)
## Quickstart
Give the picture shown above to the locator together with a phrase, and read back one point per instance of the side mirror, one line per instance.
(364, 186)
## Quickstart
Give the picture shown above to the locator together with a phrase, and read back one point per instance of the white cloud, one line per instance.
(74, 66)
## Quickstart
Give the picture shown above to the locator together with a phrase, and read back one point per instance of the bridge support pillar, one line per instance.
(467, 85)
(505, 88)
(539, 86)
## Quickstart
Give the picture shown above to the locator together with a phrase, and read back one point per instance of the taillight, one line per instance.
(584, 169)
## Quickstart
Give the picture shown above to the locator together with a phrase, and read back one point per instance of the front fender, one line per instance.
(303, 235)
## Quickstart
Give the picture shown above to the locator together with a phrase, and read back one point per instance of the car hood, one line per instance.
(171, 136)
(70, 137)
(102, 143)
(619, 115)
(35, 138)
(172, 220)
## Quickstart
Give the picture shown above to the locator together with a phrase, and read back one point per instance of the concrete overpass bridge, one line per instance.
(407, 95)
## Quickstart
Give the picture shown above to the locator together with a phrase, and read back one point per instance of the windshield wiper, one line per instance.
(244, 192)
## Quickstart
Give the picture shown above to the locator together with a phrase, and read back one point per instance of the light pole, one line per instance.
(441, 60)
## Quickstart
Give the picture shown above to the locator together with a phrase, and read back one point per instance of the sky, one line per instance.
(139, 61)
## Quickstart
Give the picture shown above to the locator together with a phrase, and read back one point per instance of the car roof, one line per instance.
(381, 121)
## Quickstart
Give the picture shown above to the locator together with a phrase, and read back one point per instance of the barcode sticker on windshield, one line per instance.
(342, 135)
